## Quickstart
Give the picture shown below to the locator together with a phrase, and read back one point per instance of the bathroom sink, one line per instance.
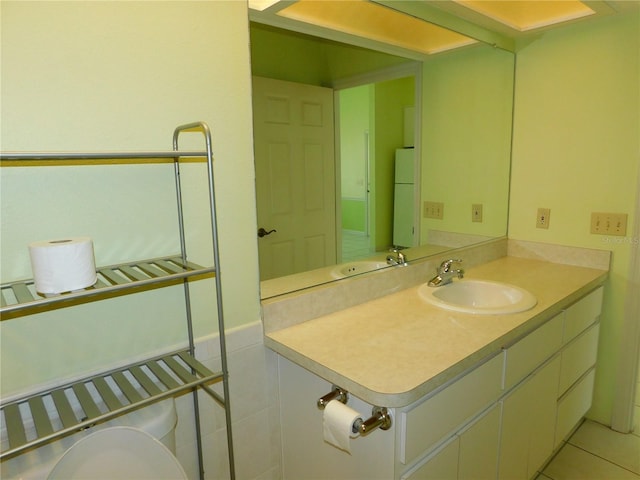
(355, 268)
(479, 297)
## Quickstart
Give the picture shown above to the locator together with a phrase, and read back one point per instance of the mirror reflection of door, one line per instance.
(295, 176)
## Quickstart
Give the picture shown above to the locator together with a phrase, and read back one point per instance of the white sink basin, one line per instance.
(479, 297)
(355, 268)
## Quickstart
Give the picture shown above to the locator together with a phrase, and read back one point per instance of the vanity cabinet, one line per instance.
(542, 410)
(503, 418)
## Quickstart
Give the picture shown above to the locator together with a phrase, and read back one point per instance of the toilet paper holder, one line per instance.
(380, 416)
(336, 393)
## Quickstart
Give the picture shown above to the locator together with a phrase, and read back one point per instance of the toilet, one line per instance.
(118, 453)
(138, 445)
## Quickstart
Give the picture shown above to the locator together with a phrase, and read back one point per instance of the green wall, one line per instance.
(301, 58)
(354, 128)
(354, 215)
(121, 76)
(575, 151)
(466, 139)
(391, 97)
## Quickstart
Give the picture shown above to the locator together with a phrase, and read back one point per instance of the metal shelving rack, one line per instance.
(125, 389)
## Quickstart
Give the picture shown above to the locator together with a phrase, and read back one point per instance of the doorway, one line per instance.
(375, 120)
(353, 124)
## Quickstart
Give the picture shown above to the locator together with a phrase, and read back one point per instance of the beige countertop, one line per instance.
(394, 350)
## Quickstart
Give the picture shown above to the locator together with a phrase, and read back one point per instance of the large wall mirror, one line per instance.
(359, 150)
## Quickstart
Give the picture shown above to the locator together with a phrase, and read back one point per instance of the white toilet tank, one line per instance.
(158, 420)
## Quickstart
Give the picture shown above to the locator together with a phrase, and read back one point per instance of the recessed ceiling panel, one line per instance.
(376, 22)
(524, 15)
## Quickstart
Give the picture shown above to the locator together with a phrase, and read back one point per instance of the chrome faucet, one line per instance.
(398, 259)
(445, 273)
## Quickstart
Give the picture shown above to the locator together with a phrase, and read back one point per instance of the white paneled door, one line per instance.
(295, 176)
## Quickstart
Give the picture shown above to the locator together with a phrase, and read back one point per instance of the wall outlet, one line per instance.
(433, 210)
(609, 223)
(476, 212)
(542, 220)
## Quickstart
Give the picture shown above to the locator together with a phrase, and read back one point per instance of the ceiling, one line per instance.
(414, 28)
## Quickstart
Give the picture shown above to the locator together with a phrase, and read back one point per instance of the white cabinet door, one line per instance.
(543, 416)
(441, 465)
(528, 423)
(470, 454)
(478, 458)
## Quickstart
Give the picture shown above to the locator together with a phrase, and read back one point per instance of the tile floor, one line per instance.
(355, 246)
(595, 452)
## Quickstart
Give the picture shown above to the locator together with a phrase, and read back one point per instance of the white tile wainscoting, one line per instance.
(254, 410)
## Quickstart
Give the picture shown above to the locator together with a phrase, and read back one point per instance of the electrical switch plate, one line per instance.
(476, 212)
(609, 223)
(433, 210)
(542, 220)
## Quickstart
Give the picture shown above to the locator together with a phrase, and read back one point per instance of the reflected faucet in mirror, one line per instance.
(398, 259)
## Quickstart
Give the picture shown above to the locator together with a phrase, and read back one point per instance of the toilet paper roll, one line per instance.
(62, 265)
(337, 421)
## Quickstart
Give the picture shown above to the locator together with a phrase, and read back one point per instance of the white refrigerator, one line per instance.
(403, 198)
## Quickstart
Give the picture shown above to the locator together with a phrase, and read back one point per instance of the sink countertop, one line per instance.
(394, 350)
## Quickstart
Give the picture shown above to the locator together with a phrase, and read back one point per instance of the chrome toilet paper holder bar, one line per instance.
(380, 416)
(336, 393)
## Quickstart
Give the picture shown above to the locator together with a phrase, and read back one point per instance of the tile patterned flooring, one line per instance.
(355, 246)
(595, 452)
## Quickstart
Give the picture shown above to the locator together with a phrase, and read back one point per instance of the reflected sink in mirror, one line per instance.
(356, 268)
(479, 297)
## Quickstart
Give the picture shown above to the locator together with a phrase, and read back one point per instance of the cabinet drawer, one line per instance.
(578, 357)
(426, 424)
(573, 406)
(582, 314)
(524, 356)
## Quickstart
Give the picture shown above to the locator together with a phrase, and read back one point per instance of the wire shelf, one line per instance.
(22, 297)
(100, 398)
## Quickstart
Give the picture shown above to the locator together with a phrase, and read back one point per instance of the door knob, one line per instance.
(263, 233)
